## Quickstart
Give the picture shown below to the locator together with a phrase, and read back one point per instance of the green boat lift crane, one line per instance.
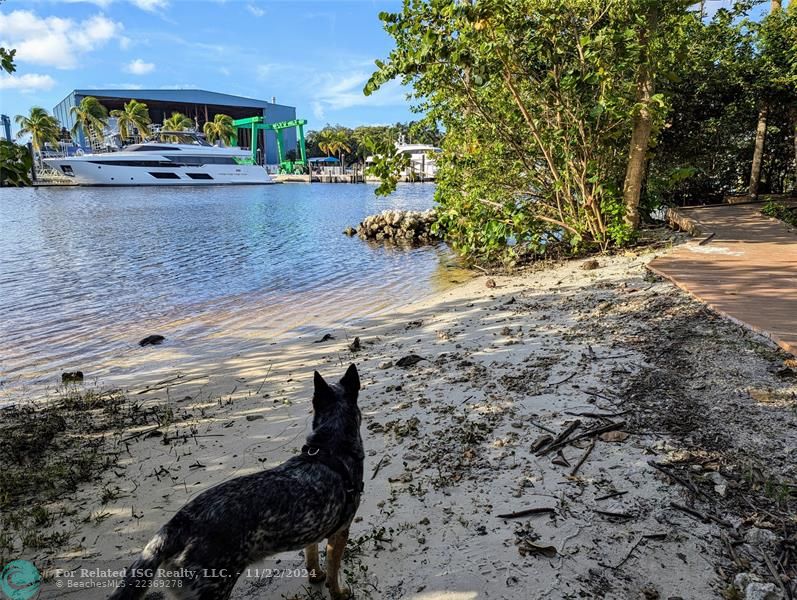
(256, 124)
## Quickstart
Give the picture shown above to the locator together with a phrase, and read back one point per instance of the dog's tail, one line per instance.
(136, 582)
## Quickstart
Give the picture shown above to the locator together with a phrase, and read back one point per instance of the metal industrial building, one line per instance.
(199, 105)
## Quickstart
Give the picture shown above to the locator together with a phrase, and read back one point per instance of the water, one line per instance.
(87, 272)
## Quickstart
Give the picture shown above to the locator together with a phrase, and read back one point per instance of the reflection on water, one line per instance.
(86, 272)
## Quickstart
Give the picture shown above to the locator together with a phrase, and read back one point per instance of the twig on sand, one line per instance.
(560, 439)
(612, 495)
(642, 538)
(705, 517)
(675, 477)
(594, 415)
(612, 514)
(543, 427)
(587, 434)
(568, 378)
(774, 572)
(265, 378)
(583, 458)
(378, 466)
(731, 552)
(528, 511)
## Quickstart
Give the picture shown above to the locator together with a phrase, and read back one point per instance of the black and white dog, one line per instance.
(309, 498)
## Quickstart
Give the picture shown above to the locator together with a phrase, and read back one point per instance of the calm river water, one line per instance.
(87, 272)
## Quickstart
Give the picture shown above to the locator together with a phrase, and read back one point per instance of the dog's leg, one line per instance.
(315, 574)
(336, 544)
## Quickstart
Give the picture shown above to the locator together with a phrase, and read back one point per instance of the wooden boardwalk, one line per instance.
(744, 266)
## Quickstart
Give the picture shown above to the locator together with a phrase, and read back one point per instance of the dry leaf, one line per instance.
(614, 436)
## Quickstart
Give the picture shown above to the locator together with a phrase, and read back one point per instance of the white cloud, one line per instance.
(139, 67)
(335, 91)
(54, 41)
(124, 42)
(255, 10)
(150, 5)
(27, 82)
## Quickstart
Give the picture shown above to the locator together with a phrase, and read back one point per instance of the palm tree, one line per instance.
(90, 116)
(41, 127)
(220, 128)
(135, 115)
(178, 122)
(339, 144)
(326, 140)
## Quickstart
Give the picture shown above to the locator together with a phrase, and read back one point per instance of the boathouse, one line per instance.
(200, 105)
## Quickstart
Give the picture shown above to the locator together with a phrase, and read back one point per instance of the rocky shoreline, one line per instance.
(399, 226)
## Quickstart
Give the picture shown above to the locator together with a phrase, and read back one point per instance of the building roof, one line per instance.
(190, 96)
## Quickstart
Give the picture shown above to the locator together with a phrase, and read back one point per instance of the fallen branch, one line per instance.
(539, 510)
(560, 439)
(583, 458)
(677, 478)
(587, 434)
(701, 516)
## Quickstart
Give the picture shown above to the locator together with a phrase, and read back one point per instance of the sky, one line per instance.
(315, 56)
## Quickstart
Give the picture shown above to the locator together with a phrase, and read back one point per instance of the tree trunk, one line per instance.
(640, 136)
(758, 152)
(794, 133)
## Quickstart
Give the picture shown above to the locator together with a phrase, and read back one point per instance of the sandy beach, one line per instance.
(673, 480)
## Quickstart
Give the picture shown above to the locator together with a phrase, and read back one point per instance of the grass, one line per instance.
(781, 211)
(48, 450)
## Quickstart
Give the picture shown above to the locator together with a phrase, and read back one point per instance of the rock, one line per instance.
(326, 338)
(397, 226)
(355, 345)
(71, 376)
(253, 417)
(760, 537)
(385, 364)
(409, 360)
(590, 265)
(490, 283)
(762, 591)
(152, 340)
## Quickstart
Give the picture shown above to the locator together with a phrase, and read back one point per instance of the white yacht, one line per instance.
(170, 158)
(422, 161)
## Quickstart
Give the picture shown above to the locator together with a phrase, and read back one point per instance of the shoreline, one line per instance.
(449, 441)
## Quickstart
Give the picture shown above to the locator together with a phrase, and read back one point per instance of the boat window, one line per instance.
(157, 175)
(134, 163)
(199, 176)
(149, 148)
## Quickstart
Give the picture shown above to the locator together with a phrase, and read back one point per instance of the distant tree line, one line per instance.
(354, 145)
(568, 121)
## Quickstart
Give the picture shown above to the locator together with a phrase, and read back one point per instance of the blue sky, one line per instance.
(315, 55)
(312, 55)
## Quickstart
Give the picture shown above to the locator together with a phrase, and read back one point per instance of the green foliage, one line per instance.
(537, 98)
(15, 164)
(40, 126)
(135, 115)
(386, 164)
(178, 122)
(7, 60)
(220, 128)
(90, 116)
(781, 211)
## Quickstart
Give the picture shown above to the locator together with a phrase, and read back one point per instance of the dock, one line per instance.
(740, 263)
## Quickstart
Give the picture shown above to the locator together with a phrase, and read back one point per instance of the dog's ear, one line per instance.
(323, 395)
(351, 380)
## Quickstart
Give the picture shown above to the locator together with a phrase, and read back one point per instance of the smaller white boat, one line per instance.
(170, 158)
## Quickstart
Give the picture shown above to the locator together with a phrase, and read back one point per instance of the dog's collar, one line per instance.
(331, 460)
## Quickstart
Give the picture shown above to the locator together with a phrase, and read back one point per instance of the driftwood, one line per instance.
(587, 434)
(539, 510)
(583, 458)
(560, 440)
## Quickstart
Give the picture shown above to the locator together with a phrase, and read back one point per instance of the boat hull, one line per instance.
(85, 171)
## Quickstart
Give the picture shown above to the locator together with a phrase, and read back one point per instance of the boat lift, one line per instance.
(256, 124)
